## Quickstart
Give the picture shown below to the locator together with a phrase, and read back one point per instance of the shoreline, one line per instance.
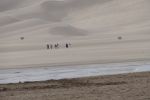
(69, 72)
(78, 78)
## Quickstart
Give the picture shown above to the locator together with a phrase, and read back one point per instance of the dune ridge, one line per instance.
(93, 27)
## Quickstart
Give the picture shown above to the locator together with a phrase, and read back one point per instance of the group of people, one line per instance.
(56, 46)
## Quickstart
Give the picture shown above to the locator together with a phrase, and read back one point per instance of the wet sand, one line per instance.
(68, 72)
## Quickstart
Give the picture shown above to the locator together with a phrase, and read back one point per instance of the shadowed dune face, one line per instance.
(81, 16)
(80, 4)
(51, 10)
(6, 5)
(9, 4)
(54, 10)
(68, 31)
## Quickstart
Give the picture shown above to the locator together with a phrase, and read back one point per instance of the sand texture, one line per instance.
(99, 31)
(119, 87)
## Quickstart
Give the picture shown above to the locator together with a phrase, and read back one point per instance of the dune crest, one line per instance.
(100, 31)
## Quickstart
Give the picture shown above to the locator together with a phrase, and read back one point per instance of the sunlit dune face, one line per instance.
(99, 31)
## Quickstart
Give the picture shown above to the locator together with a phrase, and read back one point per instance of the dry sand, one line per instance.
(91, 26)
(100, 31)
(119, 87)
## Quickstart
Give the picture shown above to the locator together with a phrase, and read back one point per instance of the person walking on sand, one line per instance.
(56, 46)
(47, 46)
(67, 45)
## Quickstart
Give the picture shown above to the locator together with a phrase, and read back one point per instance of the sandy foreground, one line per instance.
(135, 86)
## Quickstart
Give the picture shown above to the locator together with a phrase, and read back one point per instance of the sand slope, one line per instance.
(91, 26)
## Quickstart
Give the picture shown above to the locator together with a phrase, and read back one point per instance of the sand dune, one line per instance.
(14, 4)
(91, 26)
(6, 20)
(20, 25)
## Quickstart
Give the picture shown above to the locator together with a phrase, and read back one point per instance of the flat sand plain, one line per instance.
(99, 31)
(134, 86)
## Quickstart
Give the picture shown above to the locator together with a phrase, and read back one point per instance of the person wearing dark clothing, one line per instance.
(56, 46)
(47, 46)
(67, 45)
